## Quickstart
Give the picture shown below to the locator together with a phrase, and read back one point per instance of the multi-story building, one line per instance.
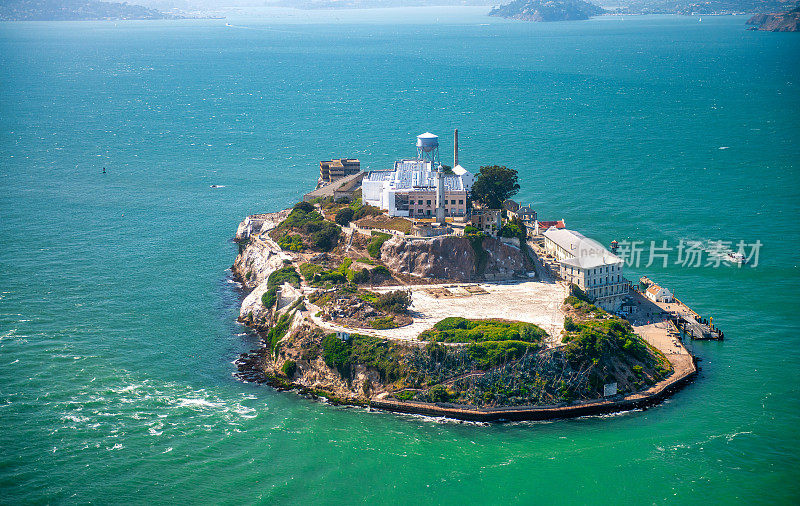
(587, 264)
(486, 220)
(331, 170)
(410, 190)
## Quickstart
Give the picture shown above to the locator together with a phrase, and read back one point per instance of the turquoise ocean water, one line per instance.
(117, 310)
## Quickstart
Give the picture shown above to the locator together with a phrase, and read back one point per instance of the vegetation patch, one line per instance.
(304, 219)
(383, 323)
(275, 280)
(396, 301)
(475, 238)
(461, 330)
(291, 242)
(374, 246)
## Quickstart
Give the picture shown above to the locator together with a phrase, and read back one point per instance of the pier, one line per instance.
(683, 318)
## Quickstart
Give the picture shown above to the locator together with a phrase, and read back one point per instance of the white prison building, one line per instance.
(410, 189)
(586, 263)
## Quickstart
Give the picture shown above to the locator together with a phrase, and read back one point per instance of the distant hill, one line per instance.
(74, 10)
(706, 7)
(788, 21)
(547, 10)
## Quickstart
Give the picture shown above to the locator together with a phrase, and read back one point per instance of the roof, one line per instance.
(586, 253)
(525, 210)
(427, 135)
(510, 205)
(654, 289)
(347, 183)
(569, 240)
(547, 224)
(460, 171)
(415, 174)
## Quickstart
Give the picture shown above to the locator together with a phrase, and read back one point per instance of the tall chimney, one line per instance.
(455, 149)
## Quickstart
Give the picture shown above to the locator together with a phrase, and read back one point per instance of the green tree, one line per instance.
(494, 185)
(344, 216)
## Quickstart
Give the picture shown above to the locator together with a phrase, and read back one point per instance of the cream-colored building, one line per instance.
(587, 264)
(658, 293)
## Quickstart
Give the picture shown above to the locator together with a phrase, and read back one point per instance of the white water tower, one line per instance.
(428, 148)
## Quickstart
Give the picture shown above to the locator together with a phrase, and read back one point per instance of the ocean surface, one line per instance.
(117, 308)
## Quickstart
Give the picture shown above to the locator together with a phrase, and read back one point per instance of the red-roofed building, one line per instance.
(541, 226)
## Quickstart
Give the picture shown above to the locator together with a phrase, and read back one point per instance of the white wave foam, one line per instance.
(197, 403)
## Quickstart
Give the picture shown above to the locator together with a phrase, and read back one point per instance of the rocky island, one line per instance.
(547, 10)
(462, 315)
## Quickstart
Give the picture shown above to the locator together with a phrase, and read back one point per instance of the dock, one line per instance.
(685, 320)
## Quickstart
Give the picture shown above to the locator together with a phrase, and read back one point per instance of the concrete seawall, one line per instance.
(650, 397)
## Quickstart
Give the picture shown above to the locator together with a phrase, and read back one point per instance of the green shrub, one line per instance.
(306, 207)
(288, 369)
(279, 330)
(309, 270)
(336, 353)
(510, 230)
(405, 395)
(396, 301)
(291, 243)
(344, 216)
(380, 273)
(326, 237)
(469, 229)
(367, 296)
(462, 330)
(333, 277)
(493, 353)
(383, 323)
(569, 324)
(360, 276)
(284, 275)
(374, 246)
(439, 393)
(268, 298)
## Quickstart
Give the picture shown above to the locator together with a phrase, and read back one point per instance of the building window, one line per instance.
(420, 202)
(429, 202)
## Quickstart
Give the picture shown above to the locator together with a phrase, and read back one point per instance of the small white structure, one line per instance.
(658, 293)
(343, 336)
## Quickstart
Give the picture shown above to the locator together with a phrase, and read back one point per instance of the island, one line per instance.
(425, 289)
(547, 10)
(787, 21)
(76, 10)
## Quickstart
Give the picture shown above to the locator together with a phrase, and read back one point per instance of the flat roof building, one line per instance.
(331, 170)
(409, 189)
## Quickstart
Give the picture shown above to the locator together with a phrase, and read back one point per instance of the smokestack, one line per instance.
(455, 149)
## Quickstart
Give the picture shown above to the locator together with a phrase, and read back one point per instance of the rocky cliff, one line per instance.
(453, 258)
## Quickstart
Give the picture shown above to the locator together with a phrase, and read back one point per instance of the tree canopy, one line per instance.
(494, 185)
